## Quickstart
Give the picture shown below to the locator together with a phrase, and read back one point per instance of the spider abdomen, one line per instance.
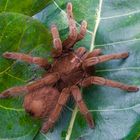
(41, 102)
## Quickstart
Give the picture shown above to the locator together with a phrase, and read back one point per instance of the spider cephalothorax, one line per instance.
(70, 70)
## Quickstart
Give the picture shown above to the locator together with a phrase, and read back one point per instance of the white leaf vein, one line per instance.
(123, 15)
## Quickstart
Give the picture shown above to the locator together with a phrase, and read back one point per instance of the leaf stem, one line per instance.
(75, 111)
(98, 13)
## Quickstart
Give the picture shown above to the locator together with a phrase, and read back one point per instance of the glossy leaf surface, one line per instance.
(19, 33)
(28, 7)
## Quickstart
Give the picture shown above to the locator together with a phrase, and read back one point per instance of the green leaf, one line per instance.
(28, 7)
(113, 26)
(23, 34)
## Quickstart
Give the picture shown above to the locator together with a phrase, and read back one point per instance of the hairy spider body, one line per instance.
(40, 103)
(71, 69)
(69, 66)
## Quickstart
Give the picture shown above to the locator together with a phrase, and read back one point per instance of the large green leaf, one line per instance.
(113, 26)
(23, 34)
(28, 7)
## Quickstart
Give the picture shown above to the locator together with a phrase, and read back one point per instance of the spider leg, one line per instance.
(94, 53)
(57, 110)
(56, 41)
(99, 59)
(82, 32)
(82, 106)
(102, 81)
(69, 42)
(15, 91)
(27, 58)
(80, 51)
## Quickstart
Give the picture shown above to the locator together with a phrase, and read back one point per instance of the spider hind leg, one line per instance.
(57, 110)
(82, 106)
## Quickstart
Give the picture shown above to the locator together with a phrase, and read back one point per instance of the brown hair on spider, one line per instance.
(69, 71)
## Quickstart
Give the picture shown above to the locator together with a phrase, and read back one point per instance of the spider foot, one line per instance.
(4, 94)
(132, 89)
(45, 128)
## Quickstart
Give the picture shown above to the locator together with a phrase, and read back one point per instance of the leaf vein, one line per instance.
(120, 69)
(6, 4)
(118, 16)
(12, 109)
(115, 109)
(119, 42)
(19, 79)
(5, 29)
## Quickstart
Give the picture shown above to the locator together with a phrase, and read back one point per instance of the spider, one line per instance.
(70, 70)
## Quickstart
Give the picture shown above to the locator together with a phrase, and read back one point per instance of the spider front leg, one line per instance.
(102, 81)
(15, 91)
(65, 94)
(87, 55)
(73, 35)
(68, 43)
(80, 51)
(99, 59)
(83, 54)
(82, 106)
(27, 58)
(56, 42)
(82, 32)
(94, 53)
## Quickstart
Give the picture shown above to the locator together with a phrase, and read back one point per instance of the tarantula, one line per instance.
(70, 70)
